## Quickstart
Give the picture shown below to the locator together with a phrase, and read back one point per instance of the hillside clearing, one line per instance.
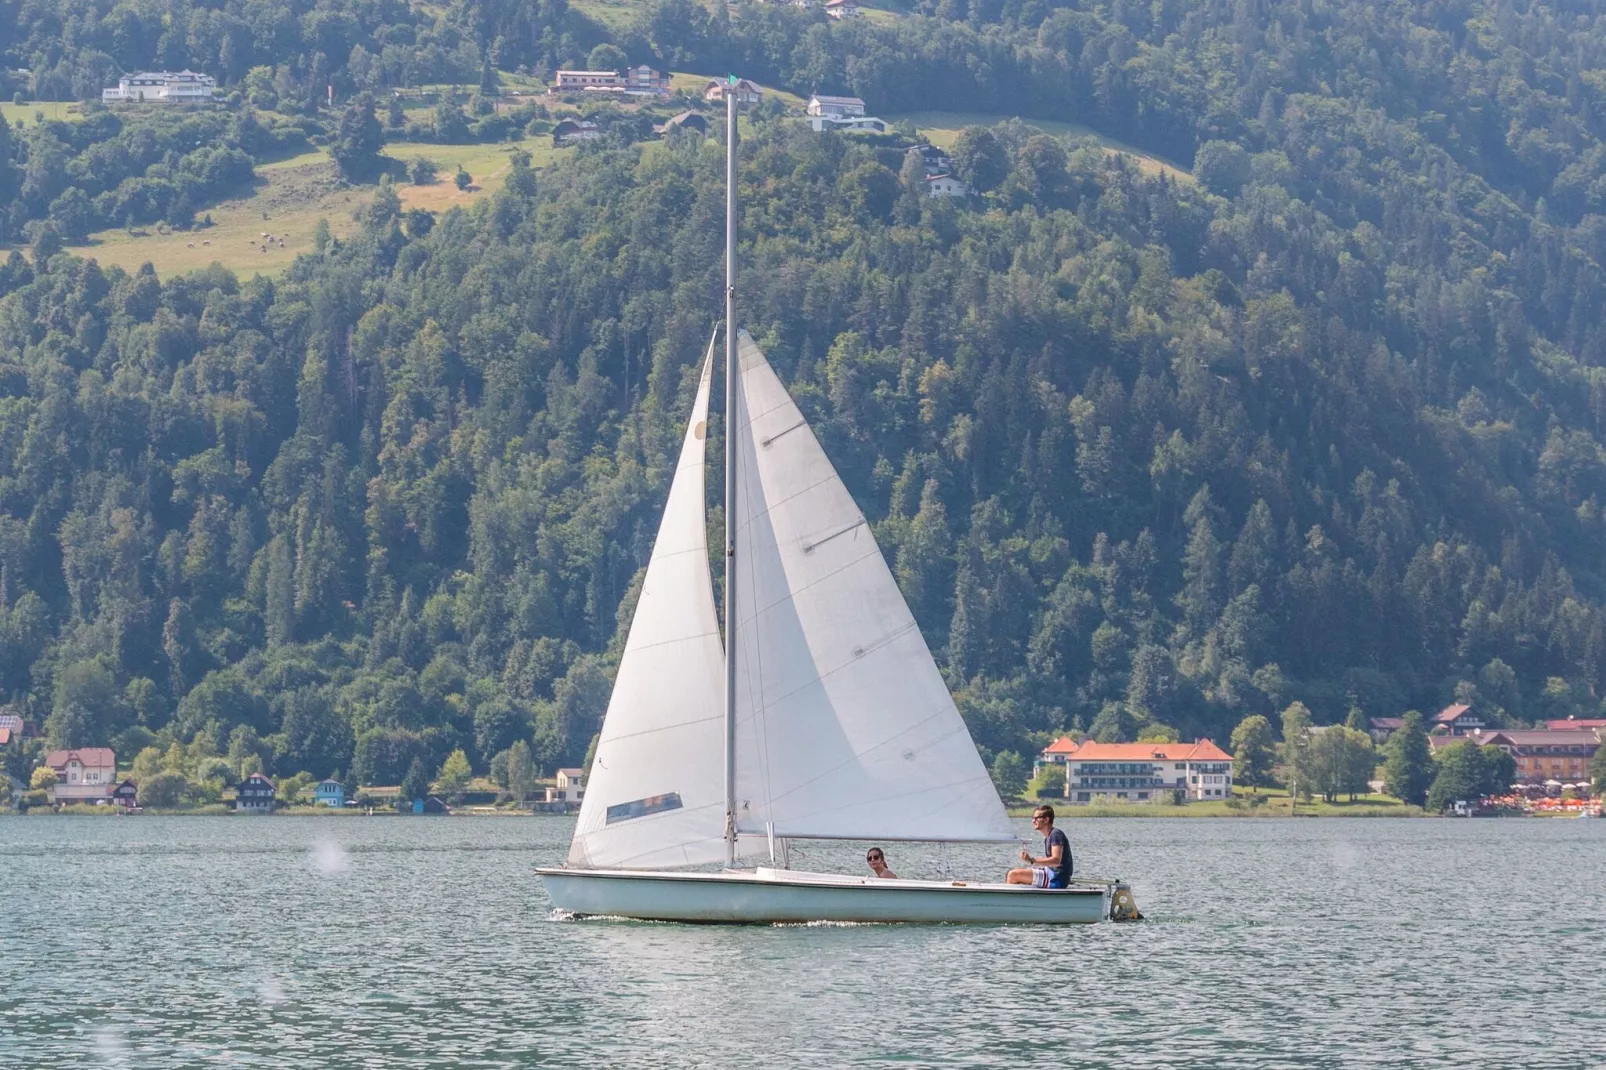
(943, 128)
(290, 196)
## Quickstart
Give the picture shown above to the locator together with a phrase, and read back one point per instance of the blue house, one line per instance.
(331, 793)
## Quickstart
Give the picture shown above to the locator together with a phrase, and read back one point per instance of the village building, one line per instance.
(640, 81)
(83, 775)
(686, 120)
(126, 795)
(935, 160)
(842, 9)
(747, 93)
(1545, 758)
(644, 81)
(1454, 720)
(161, 87)
(945, 186)
(574, 131)
(579, 81)
(569, 789)
(826, 107)
(1576, 724)
(256, 795)
(1141, 772)
(430, 804)
(331, 793)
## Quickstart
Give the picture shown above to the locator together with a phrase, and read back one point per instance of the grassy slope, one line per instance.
(290, 197)
(942, 127)
(51, 109)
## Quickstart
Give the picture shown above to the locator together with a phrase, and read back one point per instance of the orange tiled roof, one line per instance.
(1202, 751)
(1062, 745)
(1450, 713)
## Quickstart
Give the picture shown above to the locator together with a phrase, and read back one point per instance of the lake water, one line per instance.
(154, 942)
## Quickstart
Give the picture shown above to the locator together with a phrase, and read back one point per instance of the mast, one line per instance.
(730, 470)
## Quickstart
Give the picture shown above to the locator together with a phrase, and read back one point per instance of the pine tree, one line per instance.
(1408, 770)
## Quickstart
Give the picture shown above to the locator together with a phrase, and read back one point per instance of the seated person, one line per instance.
(878, 862)
(1053, 868)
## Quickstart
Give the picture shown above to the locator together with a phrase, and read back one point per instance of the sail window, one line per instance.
(652, 804)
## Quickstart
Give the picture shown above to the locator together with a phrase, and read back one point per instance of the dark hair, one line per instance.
(1044, 811)
(878, 852)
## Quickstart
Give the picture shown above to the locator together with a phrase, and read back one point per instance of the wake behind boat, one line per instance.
(821, 716)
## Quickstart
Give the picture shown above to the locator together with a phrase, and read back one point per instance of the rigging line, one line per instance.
(770, 507)
(636, 648)
(820, 676)
(792, 593)
(621, 737)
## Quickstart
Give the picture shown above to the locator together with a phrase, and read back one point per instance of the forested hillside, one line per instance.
(1324, 425)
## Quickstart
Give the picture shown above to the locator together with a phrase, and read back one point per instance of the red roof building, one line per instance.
(1543, 756)
(1141, 772)
(83, 774)
(1576, 724)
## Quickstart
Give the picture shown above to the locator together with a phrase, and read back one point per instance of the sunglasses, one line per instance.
(872, 858)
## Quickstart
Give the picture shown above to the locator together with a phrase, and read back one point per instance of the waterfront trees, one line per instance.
(1408, 769)
(1253, 752)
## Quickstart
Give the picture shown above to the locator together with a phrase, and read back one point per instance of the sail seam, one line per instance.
(770, 507)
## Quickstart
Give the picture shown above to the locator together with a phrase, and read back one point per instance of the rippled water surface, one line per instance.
(427, 942)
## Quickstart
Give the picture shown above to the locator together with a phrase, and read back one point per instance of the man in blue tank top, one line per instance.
(1053, 868)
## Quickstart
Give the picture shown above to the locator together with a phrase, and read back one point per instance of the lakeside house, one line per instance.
(569, 788)
(841, 9)
(1454, 720)
(256, 795)
(747, 93)
(126, 795)
(83, 775)
(574, 131)
(161, 87)
(1545, 758)
(1141, 772)
(331, 793)
(430, 804)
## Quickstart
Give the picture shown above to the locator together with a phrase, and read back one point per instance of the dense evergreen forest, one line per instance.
(1324, 425)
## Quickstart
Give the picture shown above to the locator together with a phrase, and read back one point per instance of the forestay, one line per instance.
(844, 727)
(655, 796)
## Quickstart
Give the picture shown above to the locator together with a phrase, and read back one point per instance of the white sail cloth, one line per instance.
(845, 728)
(656, 792)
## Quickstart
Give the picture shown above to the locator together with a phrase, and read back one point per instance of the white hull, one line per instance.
(769, 895)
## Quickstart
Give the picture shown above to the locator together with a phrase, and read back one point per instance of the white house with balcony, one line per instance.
(1142, 772)
(83, 775)
(161, 87)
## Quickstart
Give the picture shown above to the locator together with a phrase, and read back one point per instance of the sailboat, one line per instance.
(820, 714)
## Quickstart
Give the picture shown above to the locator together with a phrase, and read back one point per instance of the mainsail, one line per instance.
(844, 727)
(655, 796)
